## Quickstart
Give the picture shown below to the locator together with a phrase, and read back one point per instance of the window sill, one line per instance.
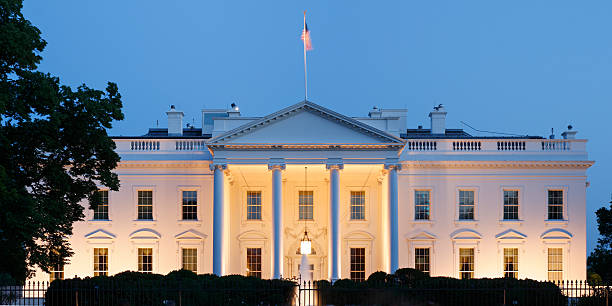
(466, 222)
(556, 221)
(418, 222)
(108, 221)
(138, 221)
(198, 222)
(511, 222)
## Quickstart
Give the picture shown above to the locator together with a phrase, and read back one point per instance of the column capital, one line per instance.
(334, 163)
(276, 164)
(220, 166)
(390, 166)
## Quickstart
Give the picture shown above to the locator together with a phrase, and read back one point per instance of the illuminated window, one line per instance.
(190, 205)
(421, 259)
(305, 205)
(357, 205)
(421, 205)
(511, 262)
(100, 261)
(56, 272)
(101, 211)
(310, 270)
(358, 264)
(555, 204)
(190, 260)
(466, 205)
(145, 260)
(555, 264)
(253, 205)
(466, 263)
(511, 205)
(254, 262)
(145, 205)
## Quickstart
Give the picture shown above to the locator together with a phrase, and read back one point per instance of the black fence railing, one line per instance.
(568, 293)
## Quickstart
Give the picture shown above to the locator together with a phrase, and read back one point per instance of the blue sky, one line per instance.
(511, 66)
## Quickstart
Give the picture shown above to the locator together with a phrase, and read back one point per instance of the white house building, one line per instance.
(235, 197)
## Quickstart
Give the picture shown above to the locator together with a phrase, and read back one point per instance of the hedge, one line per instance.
(178, 287)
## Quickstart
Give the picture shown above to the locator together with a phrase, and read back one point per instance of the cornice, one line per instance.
(417, 164)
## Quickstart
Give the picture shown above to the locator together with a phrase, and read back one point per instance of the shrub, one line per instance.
(179, 287)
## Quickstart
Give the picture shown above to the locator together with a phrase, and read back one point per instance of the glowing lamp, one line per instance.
(305, 246)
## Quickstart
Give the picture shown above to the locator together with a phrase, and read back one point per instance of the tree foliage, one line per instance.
(600, 260)
(54, 150)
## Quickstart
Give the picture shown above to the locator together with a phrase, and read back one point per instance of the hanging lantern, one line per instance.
(305, 245)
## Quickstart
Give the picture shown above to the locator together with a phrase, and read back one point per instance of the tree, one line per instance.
(54, 150)
(600, 260)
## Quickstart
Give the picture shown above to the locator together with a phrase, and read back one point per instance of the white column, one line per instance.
(334, 216)
(218, 217)
(277, 203)
(393, 217)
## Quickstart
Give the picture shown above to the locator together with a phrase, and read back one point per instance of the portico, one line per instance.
(269, 181)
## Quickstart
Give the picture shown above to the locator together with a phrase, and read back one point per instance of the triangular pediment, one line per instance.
(422, 235)
(190, 235)
(100, 235)
(305, 123)
(510, 235)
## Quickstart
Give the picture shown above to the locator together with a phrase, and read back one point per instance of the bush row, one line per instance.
(178, 287)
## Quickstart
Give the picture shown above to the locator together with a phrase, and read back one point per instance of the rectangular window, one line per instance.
(466, 205)
(145, 205)
(305, 205)
(145, 260)
(254, 262)
(357, 205)
(511, 262)
(253, 205)
(555, 205)
(421, 205)
(100, 261)
(101, 211)
(511, 205)
(310, 271)
(190, 205)
(466, 263)
(358, 264)
(190, 260)
(555, 264)
(56, 272)
(421, 259)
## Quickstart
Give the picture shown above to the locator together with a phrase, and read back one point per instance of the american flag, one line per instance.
(306, 36)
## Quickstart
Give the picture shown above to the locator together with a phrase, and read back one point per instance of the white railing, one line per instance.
(480, 146)
(144, 145)
(511, 145)
(190, 145)
(467, 145)
(556, 145)
(421, 145)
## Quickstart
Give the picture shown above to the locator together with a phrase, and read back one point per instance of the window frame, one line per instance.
(196, 256)
(518, 261)
(100, 272)
(365, 205)
(108, 211)
(364, 262)
(138, 264)
(521, 195)
(54, 272)
(475, 191)
(561, 263)
(430, 204)
(247, 198)
(312, 205)
(199, 206)
(461, 264)
(135, 190)
(564, 207)
(261, 260)
(429, 253)
(423, 240)
(243, 204)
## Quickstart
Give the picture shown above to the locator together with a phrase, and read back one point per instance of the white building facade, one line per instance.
(235, 197)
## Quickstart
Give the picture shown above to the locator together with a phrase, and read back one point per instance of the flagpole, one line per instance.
(305, 69)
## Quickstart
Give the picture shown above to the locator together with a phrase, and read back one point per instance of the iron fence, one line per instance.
(570, 293)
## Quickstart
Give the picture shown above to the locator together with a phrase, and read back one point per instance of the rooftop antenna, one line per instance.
(481, 131)
(552, 133)
(157, 123)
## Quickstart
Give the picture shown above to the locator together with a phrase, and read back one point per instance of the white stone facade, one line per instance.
(364, 176)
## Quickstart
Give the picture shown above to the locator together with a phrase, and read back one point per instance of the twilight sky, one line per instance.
(519, 67)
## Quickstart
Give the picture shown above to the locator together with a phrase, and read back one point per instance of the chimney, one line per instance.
(375, 113)
(438, 120)
(569, 134)
(175, 122)
(234, 111)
